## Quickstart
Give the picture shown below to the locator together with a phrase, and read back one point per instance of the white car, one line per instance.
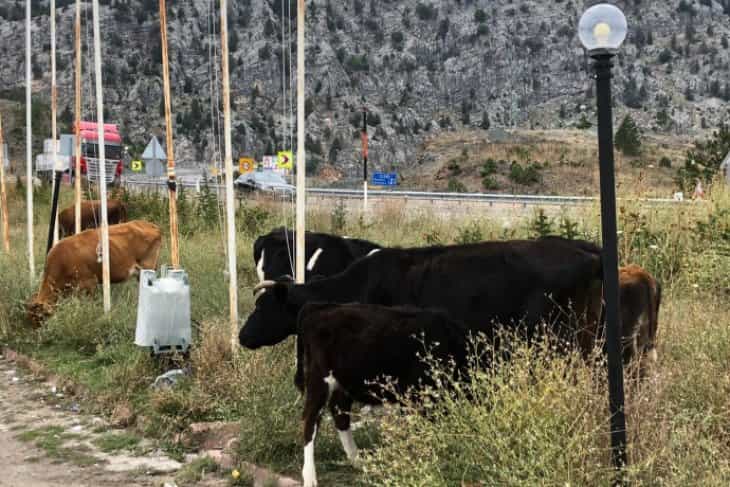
(267, 182)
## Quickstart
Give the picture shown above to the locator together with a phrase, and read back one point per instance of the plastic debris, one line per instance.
(169, 378)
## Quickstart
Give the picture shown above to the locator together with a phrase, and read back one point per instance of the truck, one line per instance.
(89, 153)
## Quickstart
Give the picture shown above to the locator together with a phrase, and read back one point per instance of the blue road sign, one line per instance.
(385, 179)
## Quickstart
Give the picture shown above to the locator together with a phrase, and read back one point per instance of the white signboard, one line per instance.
(269, 163)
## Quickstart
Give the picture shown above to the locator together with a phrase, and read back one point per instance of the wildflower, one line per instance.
(653, 247)
(235, 474)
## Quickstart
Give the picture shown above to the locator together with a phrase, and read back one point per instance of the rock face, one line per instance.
(420, 66)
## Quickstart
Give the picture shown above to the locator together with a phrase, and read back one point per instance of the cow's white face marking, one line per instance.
(313, 259)
(309, 473)
(260, 266)
(374, 251)
(348, 444)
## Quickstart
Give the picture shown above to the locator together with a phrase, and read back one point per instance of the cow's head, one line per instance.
(273, 319)
(37, 311)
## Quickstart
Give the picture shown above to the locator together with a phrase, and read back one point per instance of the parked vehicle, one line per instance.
(267, 182)
(65, 147)
(90, 152)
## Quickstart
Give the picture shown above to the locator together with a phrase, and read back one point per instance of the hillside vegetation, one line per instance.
(422, 67)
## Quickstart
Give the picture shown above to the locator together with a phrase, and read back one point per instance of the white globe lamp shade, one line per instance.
(602, 29)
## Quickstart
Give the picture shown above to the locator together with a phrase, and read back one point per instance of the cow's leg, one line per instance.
(316, 399)
(299, 362)
(340, 406)
(88, 285)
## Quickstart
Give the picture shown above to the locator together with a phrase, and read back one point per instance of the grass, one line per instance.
(545, 429)
(195, 471)
(569, 156)
(112, 442)
(52, 440)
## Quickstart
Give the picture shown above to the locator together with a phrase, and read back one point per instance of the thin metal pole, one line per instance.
(29, 144)
(365, 161)
(602, 67)
(53, 225)
(171, 183)
(53, 233)
(3, 194)
(102, 159)
(230, 222)
(77, 128)
(300, 161)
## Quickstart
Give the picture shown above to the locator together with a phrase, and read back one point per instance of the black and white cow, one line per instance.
(518, 284)
(326, 255)
(352, 350)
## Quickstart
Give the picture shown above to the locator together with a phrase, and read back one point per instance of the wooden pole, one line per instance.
(77, 128)
(102, 159)
(230, 222)
(3, 195)
(300, 160)
(29, 144)
(171, 183)
(54, 108)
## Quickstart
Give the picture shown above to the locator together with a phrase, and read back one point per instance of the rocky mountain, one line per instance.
(419, 66)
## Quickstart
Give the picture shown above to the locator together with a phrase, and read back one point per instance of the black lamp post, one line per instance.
(602, 29)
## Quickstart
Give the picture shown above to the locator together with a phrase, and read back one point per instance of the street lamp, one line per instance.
(602, 29)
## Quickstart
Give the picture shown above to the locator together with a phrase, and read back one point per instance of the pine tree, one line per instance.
(703, 162)
(465, 116)
(628, 137)
(485, 121)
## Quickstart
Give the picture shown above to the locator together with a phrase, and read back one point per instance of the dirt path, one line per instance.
(45, 442)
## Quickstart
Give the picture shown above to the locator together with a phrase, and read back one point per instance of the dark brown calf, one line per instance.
(349, 349)
(91, 215)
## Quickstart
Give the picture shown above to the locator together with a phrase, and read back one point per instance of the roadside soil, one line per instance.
(46, 441)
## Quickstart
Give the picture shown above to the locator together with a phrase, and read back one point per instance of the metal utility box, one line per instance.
(163, 311)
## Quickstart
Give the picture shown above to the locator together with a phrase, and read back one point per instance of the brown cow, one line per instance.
(75, 262)
(91, 215)
(640, 296)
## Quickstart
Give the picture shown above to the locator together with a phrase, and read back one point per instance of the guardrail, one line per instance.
(426, 195)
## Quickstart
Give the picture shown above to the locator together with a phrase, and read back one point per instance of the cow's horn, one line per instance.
(263, 285)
